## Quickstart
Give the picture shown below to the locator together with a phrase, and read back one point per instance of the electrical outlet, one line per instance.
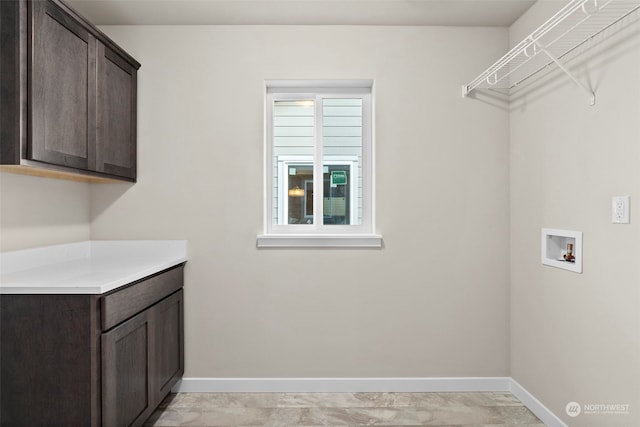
(620, 210)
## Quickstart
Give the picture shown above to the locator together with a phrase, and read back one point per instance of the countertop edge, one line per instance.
(89, 290)
(34, 284)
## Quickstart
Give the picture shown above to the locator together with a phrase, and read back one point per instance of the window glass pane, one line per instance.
(342, 157)
(293, 136)
(300, 194)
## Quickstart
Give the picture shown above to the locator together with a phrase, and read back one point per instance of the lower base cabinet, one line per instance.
(140, 359)
(91, 360)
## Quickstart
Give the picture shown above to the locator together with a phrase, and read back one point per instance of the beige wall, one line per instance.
(38, 211)
(433, 302)
(576, 337)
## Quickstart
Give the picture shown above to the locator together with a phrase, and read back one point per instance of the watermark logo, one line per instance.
(606, 409)
(573, 409)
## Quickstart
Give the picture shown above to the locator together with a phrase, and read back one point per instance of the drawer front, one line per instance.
(125, 303)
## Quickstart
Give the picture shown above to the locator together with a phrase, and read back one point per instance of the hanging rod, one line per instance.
(575, 24)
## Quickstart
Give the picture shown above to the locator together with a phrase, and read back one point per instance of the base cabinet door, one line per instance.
(168, 360)
(126, 400)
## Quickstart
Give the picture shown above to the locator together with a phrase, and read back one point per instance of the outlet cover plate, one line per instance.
(620, 210)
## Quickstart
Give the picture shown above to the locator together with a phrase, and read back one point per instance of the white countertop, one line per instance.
(90, 267)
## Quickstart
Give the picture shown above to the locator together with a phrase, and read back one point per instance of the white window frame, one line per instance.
(318, 234)
(283, 196)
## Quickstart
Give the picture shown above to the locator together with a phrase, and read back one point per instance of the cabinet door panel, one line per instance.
(169, 348)
(125, 372)
(116, 133)
(62, 88)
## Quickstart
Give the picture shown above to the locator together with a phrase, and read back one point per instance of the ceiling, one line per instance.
(302, 12)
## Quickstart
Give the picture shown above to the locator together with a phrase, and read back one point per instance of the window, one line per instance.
(319, 165)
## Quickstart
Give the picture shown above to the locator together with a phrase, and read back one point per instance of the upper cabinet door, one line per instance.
(62, 89)
(116, 115)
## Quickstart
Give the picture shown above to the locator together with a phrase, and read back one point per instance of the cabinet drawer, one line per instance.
(125, 303)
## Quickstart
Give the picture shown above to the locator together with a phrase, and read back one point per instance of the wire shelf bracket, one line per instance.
(574, 25)
(592, 95)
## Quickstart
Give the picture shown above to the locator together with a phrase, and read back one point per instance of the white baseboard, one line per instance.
(534, 405)
(345, 385)
(337, 385)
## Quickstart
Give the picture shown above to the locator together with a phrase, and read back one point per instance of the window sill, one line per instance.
(319, 241)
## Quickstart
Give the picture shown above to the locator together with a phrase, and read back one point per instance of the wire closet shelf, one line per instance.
(574, 25)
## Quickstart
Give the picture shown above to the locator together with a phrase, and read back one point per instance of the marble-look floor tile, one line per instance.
(287, 417)
(343, 409)
(517, 415)
(206, 401)
(335, 400)
(361, 416)
(171, 418)
(213, 417)
(482, 399)
(455, 415)
(477, 415)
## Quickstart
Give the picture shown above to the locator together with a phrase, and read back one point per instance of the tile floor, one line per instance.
(342, 409)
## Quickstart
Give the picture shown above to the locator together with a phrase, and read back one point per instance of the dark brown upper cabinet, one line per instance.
(61, 94)
(116, 115)
(68, 95)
